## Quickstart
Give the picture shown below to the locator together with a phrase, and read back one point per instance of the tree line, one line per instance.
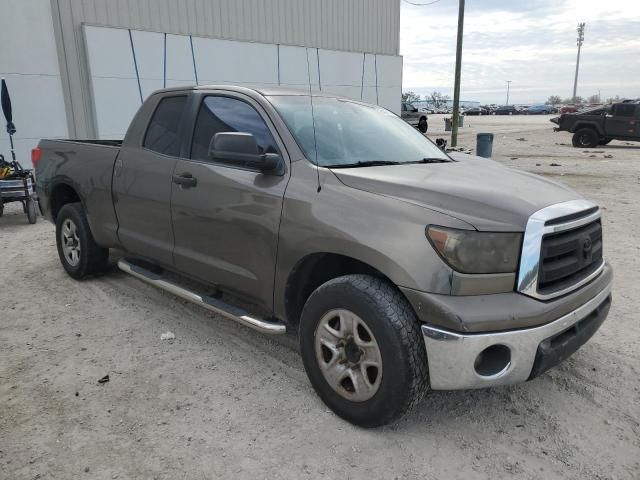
(437, 98)
(557, 100)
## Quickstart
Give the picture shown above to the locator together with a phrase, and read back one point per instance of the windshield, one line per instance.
(344, 132)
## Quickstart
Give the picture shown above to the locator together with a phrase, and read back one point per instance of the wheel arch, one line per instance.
(591, 125)
(317, 268)
(62, 193)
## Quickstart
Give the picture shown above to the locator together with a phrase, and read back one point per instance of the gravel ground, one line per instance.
(221, 401)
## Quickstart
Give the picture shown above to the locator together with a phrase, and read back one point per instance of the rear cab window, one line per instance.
(625, 110)
(162, 135)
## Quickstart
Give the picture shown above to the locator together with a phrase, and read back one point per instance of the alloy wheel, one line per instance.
(348, 355)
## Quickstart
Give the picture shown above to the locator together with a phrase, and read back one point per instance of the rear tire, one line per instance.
(368, 389)
(423, 126)
(585, 138)
(32, 212)
(79, 254)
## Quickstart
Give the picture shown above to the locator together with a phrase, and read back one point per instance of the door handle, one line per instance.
(185, 180)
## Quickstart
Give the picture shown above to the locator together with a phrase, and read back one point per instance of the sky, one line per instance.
(530, 42)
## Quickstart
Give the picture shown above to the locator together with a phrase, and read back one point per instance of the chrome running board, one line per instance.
(208, 302)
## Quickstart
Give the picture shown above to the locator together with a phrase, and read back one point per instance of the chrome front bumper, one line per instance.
(452, 356)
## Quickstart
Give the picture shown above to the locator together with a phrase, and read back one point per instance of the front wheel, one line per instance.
(79, 254)
(585, 138)
(363, 350)
(423, 125)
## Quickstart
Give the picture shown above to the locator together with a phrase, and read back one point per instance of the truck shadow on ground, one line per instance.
(15, 219)
(620, 147)
(499, 408)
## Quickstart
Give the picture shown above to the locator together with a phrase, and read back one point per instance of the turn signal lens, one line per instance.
(468, 251)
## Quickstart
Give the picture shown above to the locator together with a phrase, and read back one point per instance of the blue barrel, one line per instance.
(484, 144)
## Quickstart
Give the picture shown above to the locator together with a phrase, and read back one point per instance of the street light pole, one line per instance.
(456, 86)
(579, 41)
(508, 85)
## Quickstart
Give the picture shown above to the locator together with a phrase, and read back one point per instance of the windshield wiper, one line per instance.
(432, 160)
(370, 163)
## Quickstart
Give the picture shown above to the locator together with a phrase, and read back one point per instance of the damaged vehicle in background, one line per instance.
(413, 117)
(401, 268)
(599, 125)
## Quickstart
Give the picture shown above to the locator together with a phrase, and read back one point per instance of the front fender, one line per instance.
(382, 232)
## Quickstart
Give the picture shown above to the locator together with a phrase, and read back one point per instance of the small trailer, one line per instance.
(19, 187)
(16, 183)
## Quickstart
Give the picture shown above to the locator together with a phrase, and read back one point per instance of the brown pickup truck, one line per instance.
(413, 117)
(401, 268)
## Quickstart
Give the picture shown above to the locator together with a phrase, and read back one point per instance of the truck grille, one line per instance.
(569, 256)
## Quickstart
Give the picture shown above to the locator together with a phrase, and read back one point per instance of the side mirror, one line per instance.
(238, 148)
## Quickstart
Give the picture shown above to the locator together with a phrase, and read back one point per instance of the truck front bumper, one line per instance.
(477, 360)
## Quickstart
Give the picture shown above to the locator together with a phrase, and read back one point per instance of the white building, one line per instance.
(81, 68)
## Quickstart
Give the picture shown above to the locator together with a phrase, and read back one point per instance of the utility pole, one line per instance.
(579, 41)
(456, 87)
(508, 85)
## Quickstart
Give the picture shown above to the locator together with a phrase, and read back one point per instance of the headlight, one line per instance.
(468, 251)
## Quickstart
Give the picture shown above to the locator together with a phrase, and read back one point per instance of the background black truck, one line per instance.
(600, 125)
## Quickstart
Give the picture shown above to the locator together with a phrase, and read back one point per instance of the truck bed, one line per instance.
(87, 165)
(104, 143)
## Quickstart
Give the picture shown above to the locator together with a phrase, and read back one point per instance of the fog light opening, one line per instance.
(492, 360)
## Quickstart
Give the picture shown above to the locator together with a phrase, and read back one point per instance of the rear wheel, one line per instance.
(79, 254)
(423, 125)
(32, 213)
(362, 349)
(585, 138)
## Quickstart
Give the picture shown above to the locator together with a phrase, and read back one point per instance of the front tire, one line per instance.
(585, 138)
(79, 254)
(423, 125)
(363, 351)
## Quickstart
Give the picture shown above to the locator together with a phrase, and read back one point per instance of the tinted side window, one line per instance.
(625, 110)
(162, 132)
(224, 114)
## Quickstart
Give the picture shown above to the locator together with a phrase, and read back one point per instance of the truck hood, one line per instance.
(481, 192)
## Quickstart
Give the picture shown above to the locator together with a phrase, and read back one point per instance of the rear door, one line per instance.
(622, 121)
(142, 182)
(226, 222)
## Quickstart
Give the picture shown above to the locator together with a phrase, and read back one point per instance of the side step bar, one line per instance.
(208, 302)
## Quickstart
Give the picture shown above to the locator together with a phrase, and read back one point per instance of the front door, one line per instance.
(142, 184)
(623, 120)
(226, 220)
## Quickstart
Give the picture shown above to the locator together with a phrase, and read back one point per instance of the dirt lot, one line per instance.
(222, 401)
